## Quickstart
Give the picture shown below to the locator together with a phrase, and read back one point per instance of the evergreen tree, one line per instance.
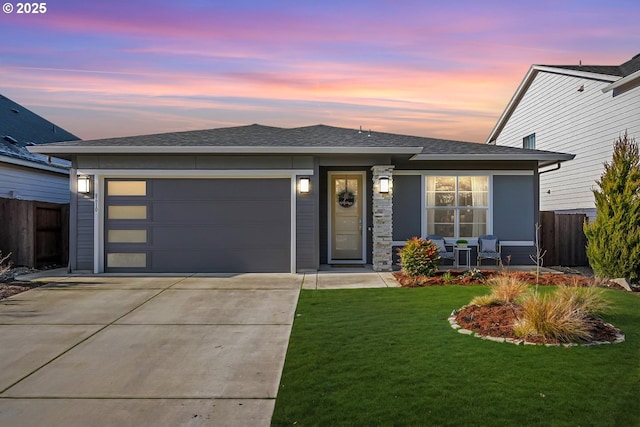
(613, 246)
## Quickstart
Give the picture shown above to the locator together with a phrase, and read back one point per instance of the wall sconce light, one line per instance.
(84, 184)
(304, 185)
(384, 184)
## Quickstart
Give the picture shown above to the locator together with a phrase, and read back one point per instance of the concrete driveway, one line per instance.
(134, 351)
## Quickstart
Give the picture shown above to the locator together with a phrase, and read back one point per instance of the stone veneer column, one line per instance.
(382, 220)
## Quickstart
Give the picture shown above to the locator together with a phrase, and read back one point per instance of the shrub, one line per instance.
(447, 277)
(505, 289)
(419, 257)
(613, 246)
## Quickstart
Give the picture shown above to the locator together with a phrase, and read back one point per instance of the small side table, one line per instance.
(466, 250)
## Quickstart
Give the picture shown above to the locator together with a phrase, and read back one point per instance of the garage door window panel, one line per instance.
(127, 212)
(126, 188)
(127, 260)
(127, 236)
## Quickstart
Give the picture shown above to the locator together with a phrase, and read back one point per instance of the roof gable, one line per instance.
(616, 75)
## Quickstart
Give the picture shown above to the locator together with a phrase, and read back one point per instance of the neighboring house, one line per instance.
(24, 175)
(265, 199)
(34, 189)
(581, 109)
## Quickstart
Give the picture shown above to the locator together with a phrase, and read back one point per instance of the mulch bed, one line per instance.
(478, 277)
(9, 287)
(9, 290)
(498, 321)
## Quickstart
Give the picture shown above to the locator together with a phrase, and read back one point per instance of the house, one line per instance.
(24, 175)
(581, 109)
(34, 189)
(267, 199)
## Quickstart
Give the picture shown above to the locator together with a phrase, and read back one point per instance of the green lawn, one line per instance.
(369, 357)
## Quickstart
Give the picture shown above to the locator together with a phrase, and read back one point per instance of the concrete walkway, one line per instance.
(166, 350)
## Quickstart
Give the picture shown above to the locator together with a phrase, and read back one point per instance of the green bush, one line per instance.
(419, 257)
(613, 246)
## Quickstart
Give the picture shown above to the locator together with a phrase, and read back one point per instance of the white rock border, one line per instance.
(454, 324)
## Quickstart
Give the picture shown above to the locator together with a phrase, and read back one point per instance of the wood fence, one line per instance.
(562, 236)
(36, 233)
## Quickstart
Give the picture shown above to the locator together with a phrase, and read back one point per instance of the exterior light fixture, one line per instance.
(84, 184)
(384, 184)
(304, 185)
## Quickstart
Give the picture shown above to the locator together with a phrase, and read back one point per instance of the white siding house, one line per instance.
(33, 181)
(574, 109)
(24, 175)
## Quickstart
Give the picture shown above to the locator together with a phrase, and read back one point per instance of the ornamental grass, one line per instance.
(505, 289)
(564, 315)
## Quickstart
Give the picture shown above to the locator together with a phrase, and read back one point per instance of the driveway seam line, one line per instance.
(87, 338)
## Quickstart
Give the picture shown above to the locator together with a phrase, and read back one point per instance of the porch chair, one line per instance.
(442, 247)
(489, 248)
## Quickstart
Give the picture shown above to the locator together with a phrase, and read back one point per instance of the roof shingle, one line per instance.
(20, 127)
(310, 139)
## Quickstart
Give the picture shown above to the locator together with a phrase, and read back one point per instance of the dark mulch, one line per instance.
(10, 289)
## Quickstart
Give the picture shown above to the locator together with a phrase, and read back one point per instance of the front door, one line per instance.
(346, 217)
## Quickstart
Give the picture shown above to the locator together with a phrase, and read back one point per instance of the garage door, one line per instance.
(198, 225)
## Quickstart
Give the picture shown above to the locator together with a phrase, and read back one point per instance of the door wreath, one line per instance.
(346, 198)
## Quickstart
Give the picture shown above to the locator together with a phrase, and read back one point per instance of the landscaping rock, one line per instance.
(624, 283)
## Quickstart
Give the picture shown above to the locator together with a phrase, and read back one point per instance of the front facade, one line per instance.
(577, 109)
(263, 199)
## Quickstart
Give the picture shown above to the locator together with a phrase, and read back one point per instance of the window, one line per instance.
(529, 142)
(457, 206)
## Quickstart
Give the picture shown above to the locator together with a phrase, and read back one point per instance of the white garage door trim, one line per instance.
(102, 174)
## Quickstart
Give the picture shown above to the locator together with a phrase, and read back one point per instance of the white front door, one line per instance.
(347, 217)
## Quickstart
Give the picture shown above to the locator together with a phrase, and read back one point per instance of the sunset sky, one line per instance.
(443, 69)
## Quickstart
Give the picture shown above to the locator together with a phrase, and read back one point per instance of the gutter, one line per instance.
(622, 82)
(52, 149)
(52, 167)
(550, 170)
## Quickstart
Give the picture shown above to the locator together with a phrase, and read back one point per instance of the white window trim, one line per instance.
(423, 202)
(101, 174)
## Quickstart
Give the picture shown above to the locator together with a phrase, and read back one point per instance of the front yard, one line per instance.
(389, 357)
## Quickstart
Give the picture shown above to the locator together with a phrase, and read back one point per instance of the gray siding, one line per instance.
(407, 206)
(514, 207)
(33, 184)
(306, 225)
(519, 255)
(84, 235)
